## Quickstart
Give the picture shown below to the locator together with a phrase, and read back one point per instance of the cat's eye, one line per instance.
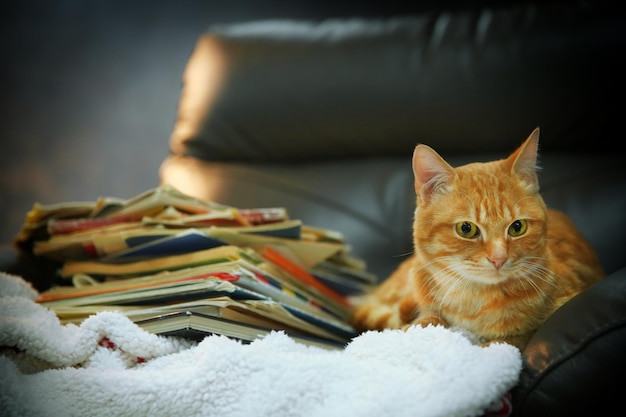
(467, 230)
(518, 227)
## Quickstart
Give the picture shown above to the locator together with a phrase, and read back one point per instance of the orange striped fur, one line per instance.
(489, 256)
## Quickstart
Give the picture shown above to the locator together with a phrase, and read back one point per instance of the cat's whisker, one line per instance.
(444, 277)
(441, 278)
(434, 275)
(533, 284)
(540, 272)
(533, 271)
(522, 283)
(450, 289)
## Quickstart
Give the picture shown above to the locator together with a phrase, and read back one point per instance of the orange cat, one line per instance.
(489, 256)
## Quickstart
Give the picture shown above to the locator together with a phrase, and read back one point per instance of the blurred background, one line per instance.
(89, 89)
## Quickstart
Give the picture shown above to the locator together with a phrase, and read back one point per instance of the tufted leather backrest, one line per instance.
(476, 80)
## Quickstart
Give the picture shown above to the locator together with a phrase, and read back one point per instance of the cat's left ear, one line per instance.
(432, 173)
(523, 161)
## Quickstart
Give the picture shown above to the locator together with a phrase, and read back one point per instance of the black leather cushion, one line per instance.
(471, 80)
(575, 363)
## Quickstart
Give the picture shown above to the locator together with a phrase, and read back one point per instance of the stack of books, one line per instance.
(180, 266)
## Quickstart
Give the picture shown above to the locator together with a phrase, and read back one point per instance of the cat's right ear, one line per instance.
(523, 162)
(432, 173)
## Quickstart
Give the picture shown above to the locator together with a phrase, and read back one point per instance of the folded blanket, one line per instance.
(109, 366)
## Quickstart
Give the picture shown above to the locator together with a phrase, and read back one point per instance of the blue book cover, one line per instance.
(187, 241)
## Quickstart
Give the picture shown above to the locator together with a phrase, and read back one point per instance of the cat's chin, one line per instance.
(489, 278)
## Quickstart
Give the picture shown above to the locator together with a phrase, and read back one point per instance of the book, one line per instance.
(264, 215)
(344, 279)
(343, 285)
(309, 253)
(291, 266)
(194, 325)
(247, 264)
(292, 283)
(204, 282)
(156, 199)
(186, 241)
(109, 241)
(42, 221)
(264, 313)
(202, 285)
(171, 262)
(165, 254)
(256, 274)
(322, 235)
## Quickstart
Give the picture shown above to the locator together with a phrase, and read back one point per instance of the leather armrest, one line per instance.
(573, 364)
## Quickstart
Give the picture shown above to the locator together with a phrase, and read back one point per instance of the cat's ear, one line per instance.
(432, 173)
(523, 161)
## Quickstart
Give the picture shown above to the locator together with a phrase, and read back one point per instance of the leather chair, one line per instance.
(321, 117)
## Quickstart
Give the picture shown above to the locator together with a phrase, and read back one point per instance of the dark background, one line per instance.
(89, 89)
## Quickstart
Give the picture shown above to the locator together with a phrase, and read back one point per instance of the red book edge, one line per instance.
(302, 274)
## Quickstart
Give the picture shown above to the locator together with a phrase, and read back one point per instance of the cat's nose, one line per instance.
(498, 260)
(497, 253)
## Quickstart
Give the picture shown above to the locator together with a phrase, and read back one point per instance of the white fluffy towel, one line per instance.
(108, 366)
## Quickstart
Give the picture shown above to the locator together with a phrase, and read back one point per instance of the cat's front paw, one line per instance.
(424, 321)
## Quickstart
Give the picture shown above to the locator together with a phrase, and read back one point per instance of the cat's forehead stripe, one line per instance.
(492, 207)
(482, 214)
(507, 213)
